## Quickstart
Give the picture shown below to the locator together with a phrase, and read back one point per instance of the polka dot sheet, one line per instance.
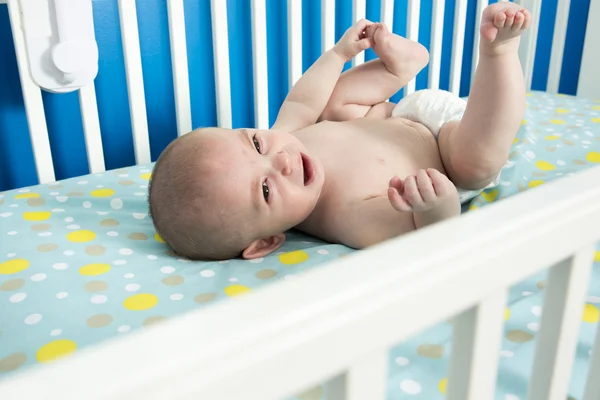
(80, 264)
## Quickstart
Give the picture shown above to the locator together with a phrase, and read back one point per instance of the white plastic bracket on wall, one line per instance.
(60, 42)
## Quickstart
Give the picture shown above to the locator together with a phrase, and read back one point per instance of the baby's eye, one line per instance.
(256, 143)
(265, 189)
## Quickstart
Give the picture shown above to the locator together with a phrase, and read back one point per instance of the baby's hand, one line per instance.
(423, 192)
(354, 41)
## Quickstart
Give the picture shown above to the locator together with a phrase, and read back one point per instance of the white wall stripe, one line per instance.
(220, 37)
(458, 40)
(412, 33)
(135, 80)
(179, 62)
(359, 10)
(481, 5)
(558, 45)
(259, 58)
(294, 40)
(327, 24)
(91, 128)
(435, 52)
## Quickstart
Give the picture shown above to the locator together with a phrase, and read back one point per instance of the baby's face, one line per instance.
(266, 179)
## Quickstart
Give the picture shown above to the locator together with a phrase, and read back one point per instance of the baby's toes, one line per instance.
(527, 18)
(499, 20)
(510, 18)
(518, 23)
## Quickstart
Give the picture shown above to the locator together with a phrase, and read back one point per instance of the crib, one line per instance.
(326, 332)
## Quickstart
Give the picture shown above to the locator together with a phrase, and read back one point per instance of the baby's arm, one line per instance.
(309, 96)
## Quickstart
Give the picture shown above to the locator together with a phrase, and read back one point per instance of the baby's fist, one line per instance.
(421, 192)
(354, 41)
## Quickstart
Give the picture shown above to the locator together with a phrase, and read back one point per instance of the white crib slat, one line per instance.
(259, 58)
(366, 379)
(295, 40)
(220, 37)
(558, 45)
(179, 60)
(481, 5)
(359, 10)
(34, 106)
(387, 13)
(412, 29)
(559, 327)
(458, 40)
(327, 24)
(477, 337)
(592, 386)
(529, 40)
(91, 128)
(135, 80)
(435, 53)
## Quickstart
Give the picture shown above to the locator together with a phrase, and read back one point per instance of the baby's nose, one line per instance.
(283, 162)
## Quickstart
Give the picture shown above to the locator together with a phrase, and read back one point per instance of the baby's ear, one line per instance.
(263, 247)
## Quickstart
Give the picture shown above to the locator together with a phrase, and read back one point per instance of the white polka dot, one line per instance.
(55, 332)
(73, 227)
(411, 387)
(24, 190)
(207, 273)
(167, 270)
(223, 261)
(38, 277)
(5, 214)
(102, 212)
(257, 260)
(183, 260)
(593, 299)
(128, 276)
(143, 186)
(14, 205)
(536, 310)
(322, 251)
(152, 257)
(87, 204)
(511, 397)
(112, 233)
(69, 219)
(17, 298)
(233, 280)
(139, 194)
(33, 319)
(62, 295)
(527, 293)
(53, 193)
(132, 287)
(99, 299)
(176, 296)
(11, 233)
(68, 252)
(530, 154)
(82, 183)
(62, 199)
(11, 255)
(99, 186)
(402, 361)
(57, 210)
(119, 262)
(45, 234)
(123, 175)
(123, 329)
(126, 252)
(139, 215)
(533, 326)
(116, 204)
(506, 354)
(60, 266)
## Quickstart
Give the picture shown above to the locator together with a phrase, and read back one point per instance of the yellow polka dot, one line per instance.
(590, 313)
(529, 94)
(523, 122)
(473, 207)
(140, 302)
(562, 111)
(593, 157)
(146, 176)
(56, 349)
(236, 290)
(545, 165)
(552, 137)
(515, 141)
(597, 256)
(596, 108)
(103, 193)
(27, 195)
(36, 215)
(293, 257)
(158, 238)
(13, 266)
(490, 196)
(94, 269)
(506, 314)
(596, 120)
(535, 183)
(557, 122)
(81, 236)
(443, 385)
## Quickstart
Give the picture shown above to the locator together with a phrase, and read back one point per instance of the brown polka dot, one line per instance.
(13, 284)
(36, 201)
(96, 286)
(99, 320)
(430, 350)
(120, 171)
(579, 162)
(513, 155)
(266, 273)
(538, 174)
(1, 202)
(568, 142)
(315, 393)
(173, 280)
(154, 320)
(519, 336)
(40, 227)
(55, 186)
(551, 149)
(205, 297)
(12, 362)
(46, 247)
(138, 236)
(541, 285)
(96, 250)
(75, 194)
(126, 182)
(109, 222)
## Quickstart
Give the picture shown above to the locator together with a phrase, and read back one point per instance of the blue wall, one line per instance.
(64, 118)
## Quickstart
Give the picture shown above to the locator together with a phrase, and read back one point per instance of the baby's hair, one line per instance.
(180, 204)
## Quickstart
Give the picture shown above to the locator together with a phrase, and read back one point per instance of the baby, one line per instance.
(340, 163)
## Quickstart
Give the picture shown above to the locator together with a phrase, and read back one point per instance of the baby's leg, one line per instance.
(476, 149)
(372, 83)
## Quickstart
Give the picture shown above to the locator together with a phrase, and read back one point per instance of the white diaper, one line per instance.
(433, 108)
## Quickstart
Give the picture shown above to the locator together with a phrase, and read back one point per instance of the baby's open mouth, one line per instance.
(307, 168)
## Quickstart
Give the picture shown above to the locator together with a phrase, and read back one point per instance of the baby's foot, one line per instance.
(502, 25)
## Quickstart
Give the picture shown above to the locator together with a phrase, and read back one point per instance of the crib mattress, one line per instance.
(80, 263)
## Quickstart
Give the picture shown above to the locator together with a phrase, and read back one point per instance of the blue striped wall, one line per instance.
(64, 117)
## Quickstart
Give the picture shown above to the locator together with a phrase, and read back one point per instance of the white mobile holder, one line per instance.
(60, 42)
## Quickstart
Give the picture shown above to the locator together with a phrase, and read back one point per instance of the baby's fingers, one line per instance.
(411, 193)
(441, 183)
(425, 187)
(397, 202)
(361, 25)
